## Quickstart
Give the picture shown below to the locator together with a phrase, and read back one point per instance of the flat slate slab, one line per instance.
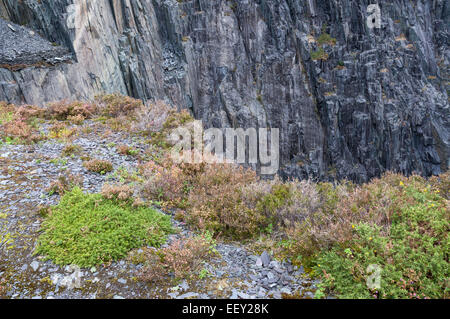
(21, 47)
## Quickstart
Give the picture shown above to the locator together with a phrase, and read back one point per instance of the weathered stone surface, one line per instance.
(378, 102)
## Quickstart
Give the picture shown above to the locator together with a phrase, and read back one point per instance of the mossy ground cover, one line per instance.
(87, 229)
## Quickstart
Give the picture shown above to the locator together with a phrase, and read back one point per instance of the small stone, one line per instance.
(173, 295)
(184, 285)
(259, 262)
(118, 297)
(286, 291)
(122, 281)
(262, 292)
(188, 295)
(265, 259)
(34, 265)
(243, 295)
(274, 264)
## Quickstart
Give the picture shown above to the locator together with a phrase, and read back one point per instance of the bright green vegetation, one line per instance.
(320, 54)
(325, 38)
(6, 117)
(87, 229)
(6, 238)
(412, 254)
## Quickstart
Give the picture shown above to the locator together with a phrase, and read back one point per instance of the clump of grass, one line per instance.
(127, 150)
(71, 149)
(18, 125)
(88, 229)
(60, 130)
(99, 166)
(320, 54)
(6, 238)
(64, 110)
(325, 38)
(116, 105)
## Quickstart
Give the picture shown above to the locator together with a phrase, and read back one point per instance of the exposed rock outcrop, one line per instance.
(351, 101)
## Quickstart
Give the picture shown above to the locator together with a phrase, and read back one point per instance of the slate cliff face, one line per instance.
(371, 100)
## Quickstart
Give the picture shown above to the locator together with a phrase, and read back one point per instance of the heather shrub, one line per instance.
(340, 208)
(118, 192)
(65, 183)
(405, 234)
(28, 112)
(174, 120)
(441, 184)
(71, 149)
(88, 229)
(99, 166)
(216, 202)
(64, 110)
(182, 259)
(20, 130)
(165, 182)
(126, 150)
(60, 130)
(115, 105)
(76, 119)
(150, 118)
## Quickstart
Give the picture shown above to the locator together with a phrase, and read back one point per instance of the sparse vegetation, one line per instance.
(320, 54)
(325, 38)
(99, 166)
(334, 230)
(65, 183)
(127, 150)
(184, 258)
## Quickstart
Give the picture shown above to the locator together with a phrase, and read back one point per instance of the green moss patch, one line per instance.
(87, 229)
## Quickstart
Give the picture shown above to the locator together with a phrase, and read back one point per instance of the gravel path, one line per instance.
(25, 174)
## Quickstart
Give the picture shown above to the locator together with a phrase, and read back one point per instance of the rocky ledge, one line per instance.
(21, 47)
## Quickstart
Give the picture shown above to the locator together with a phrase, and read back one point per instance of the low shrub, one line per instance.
(151, 118)
(71, 149)
(65, 183)
(406, 236)
(115, 105)
(76, 119)
(126, 150)
(99, 166)
(320, 54)
(325, 38)
(65, 110)
(165, 182)
(60, 130)
(118, 192)
(182, 259)
(88, 229)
